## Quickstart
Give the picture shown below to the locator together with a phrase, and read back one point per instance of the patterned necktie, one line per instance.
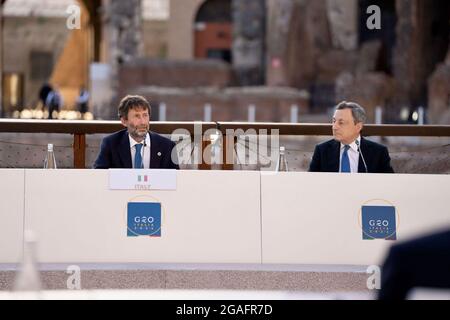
(138, 156)
(345, 162)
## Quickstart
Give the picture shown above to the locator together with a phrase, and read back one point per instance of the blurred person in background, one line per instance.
(83, 100)
(43, 93)
(53, 102)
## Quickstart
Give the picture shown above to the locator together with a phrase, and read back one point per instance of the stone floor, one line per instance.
(318, 279)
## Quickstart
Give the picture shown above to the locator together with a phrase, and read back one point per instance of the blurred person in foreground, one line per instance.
(418, 263)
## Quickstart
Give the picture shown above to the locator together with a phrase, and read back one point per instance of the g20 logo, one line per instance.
(144, 219)
(378, 223)
(378, 220)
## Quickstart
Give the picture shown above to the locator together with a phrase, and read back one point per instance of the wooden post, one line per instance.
(79, 151)
(228, 144)
(207, 156)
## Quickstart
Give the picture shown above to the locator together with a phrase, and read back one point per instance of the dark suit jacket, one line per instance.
(326, 157)
(115, 152)
(423, 262)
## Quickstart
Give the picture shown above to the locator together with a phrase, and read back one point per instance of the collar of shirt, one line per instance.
(145, 151)
(353, 145)
(134, 142)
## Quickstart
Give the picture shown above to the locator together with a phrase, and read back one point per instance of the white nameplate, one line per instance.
(142, 179)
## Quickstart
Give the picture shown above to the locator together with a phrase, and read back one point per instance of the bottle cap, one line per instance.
(282, 148)
(50, 147)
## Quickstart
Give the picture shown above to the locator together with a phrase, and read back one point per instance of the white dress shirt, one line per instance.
(145, 151)
(353, 155)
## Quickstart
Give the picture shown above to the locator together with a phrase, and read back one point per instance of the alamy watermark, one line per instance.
(374, 280)
(249, 147)
(74, 17)
(74, 279)
(374, 21)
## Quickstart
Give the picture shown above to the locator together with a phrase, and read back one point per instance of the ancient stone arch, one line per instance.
(213, 30)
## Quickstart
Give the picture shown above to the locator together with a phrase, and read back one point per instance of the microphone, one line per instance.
(362, 157)
(143, 152)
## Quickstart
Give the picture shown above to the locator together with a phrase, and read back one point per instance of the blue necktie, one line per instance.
(345, 162)
(138, 157)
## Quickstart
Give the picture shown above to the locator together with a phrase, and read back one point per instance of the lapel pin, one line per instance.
(159, 154)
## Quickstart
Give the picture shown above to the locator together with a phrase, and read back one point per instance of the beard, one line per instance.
(138, 132)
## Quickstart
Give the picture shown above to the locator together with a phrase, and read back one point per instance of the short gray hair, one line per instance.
(358, 112)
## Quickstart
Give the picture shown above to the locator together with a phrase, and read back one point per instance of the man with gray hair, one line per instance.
(348, 152)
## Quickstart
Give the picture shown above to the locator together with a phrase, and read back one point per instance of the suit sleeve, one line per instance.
(385, 166)
(104, 157)
(314, 166)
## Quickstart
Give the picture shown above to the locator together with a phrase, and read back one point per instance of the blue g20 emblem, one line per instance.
(144, 219)
(378, 222)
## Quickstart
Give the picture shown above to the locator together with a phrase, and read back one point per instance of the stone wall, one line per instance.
(370, 90)
(342, 17)
(439, 94)
(228, 104)
(169, 73)
(122, 34)
(312, 43)
(420, 46)
(181, 31)
(249, 22)
(298, 34)
(362, 83)
(155, 37)
(21, 36)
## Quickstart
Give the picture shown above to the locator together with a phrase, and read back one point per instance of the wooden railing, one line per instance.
(79, 129)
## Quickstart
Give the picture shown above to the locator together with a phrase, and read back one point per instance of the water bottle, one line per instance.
(50, 162)
(28, 278)
(282, 162)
